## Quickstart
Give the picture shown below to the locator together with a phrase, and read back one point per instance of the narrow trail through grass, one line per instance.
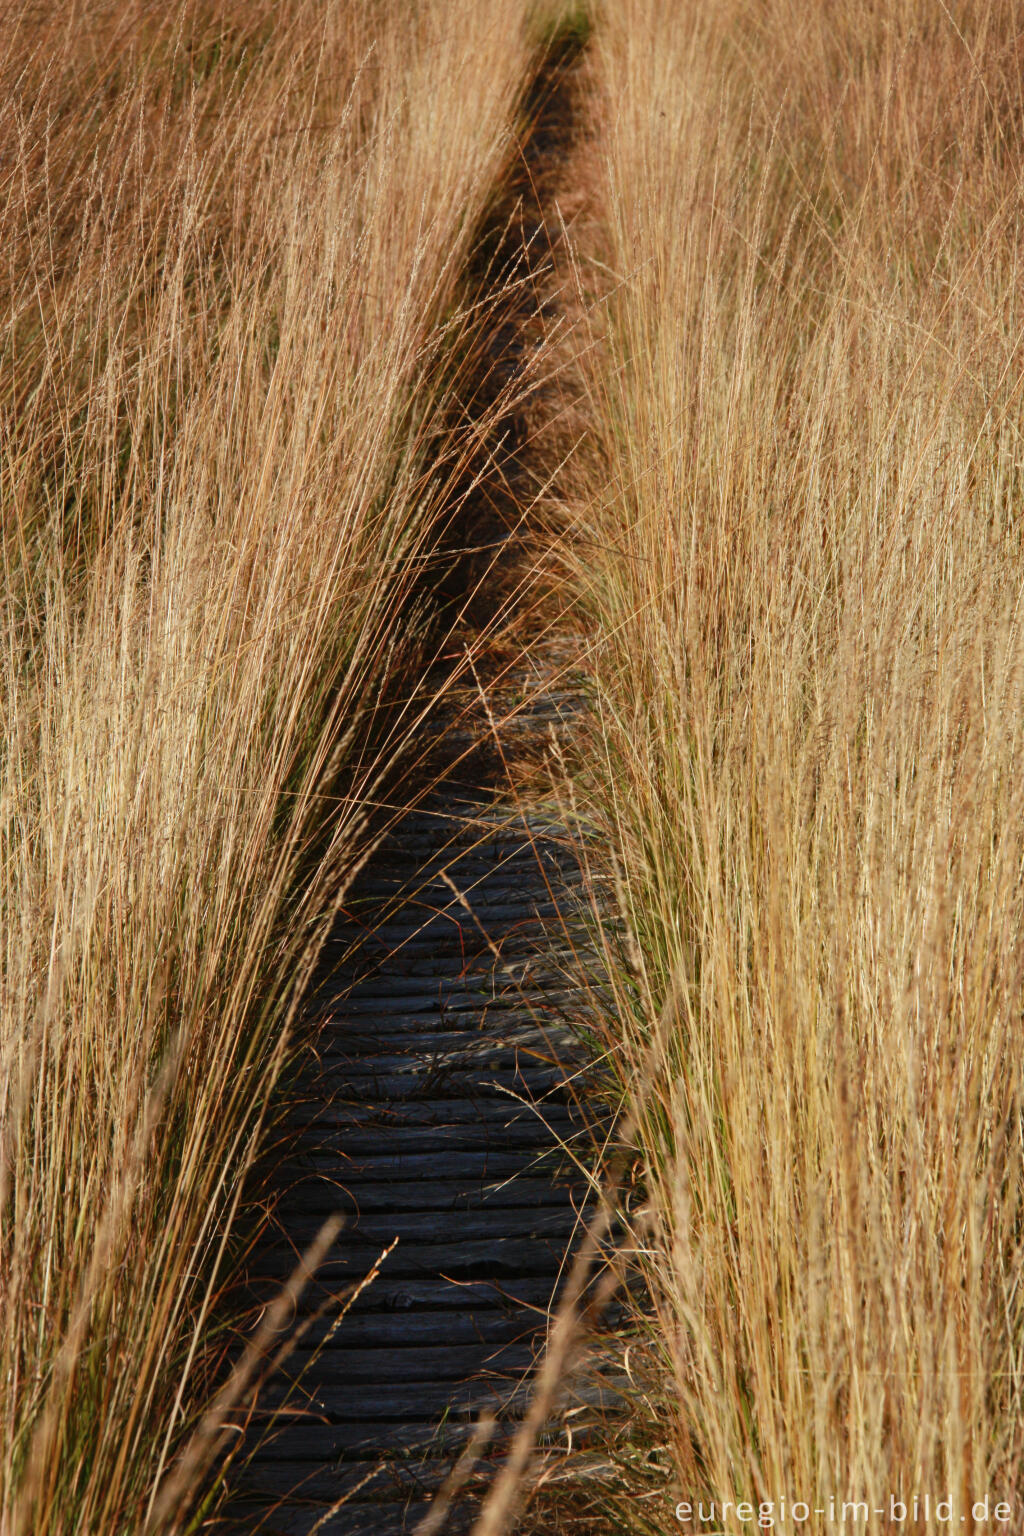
(441, 1109)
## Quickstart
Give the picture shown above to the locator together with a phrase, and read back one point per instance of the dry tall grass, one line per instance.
(802, 545)
(232, 238)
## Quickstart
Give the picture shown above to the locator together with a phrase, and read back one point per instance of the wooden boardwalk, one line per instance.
(443, 1109)
(442, 1113)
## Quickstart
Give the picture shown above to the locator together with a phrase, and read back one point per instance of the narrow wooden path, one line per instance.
(443, 1110)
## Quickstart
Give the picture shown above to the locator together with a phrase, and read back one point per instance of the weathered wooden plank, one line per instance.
(367, 1482)
(477, 1051)
(504, 1111)
(404, 1330)
(430, 973)
(532, 1136)
(436, 839)
(469, 1067)
(431, 1226)
(405, 1169)
(404, 901)
(464, 1067)
(397, 1026)
(498, 1046)
(333, 1002)
(398, 1042)
(449, 1083)
(432, 955)
(465, 1259)
(411, 1363)
(424, 995)
(398, 1402)
(409, 1295)
(314, 1442)
(474, 1051)
(447, 1197)
(505, 901)
(293, 1518)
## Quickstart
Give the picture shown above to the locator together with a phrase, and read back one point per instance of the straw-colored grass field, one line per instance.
(233, 239)
(800, 538)
(233, 344)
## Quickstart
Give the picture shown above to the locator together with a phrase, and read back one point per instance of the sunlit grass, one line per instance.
(799, 542)
(233, 237)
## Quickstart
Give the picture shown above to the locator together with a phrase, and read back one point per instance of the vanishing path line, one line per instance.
(442, 1110)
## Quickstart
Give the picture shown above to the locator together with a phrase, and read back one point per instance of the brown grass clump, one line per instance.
(800, 542)
(232, 237)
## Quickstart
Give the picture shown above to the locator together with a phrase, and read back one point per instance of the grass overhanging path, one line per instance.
(440, 1113)
(237, 231)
